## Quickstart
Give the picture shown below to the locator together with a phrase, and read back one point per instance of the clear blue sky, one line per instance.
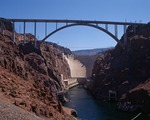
(77, 37)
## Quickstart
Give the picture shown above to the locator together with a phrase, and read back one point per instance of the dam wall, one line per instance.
(78, 70)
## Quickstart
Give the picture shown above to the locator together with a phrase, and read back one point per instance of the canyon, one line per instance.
(30, 78)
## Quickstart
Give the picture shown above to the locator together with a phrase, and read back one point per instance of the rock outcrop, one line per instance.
(125, 70)
(31, 77)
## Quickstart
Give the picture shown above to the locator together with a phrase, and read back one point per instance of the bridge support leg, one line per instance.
(45, 29)
(125, 36)
(14, 32)
(35, 41)
(24, 41)
(66, 23)
(106, 27)
(116, 31)
(56, 25)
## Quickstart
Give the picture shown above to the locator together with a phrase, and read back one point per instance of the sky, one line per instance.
(77, 37)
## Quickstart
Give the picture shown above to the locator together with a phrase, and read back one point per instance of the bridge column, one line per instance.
(116, 31)
(125, 35)
(35, 44)
(14, 32)
(66, 23)
(56, 25)
(24, 33)
(106, 27)
(45, 29)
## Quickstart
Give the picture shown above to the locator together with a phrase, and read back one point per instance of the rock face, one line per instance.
(6, 25)
(66, 51)
(123, 70)
(31, 77)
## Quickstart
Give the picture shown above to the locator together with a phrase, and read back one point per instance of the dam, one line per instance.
(78, 76)
(78, 72)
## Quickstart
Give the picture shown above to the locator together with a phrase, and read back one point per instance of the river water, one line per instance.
(89, 109)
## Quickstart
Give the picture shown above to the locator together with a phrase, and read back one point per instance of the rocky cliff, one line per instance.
(125, 71)
(31, 77)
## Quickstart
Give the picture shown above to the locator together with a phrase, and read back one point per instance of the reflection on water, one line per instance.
(89, 109)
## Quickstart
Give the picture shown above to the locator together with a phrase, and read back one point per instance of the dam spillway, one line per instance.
(77, 69)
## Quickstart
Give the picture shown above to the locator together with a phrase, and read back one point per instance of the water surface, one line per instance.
(89, 109)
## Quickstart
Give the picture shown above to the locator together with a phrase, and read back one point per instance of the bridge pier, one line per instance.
(125, 36)
(14, 40)
(24, 33)
(66, 23)
(116, 31)
(106, 27)
(35, 40)
(45, 29)
(56, 25)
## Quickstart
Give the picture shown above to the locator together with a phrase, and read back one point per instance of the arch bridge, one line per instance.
(71, 23)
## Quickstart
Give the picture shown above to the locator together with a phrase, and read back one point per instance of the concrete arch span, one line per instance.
(84, 24)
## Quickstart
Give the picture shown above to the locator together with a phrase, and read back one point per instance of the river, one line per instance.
(89, 109)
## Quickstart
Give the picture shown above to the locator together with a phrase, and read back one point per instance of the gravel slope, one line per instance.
(9, 111)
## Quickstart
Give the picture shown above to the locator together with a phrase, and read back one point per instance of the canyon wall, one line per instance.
(125, 71)
(30, 78)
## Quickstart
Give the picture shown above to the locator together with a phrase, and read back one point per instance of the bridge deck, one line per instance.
(72, 21)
